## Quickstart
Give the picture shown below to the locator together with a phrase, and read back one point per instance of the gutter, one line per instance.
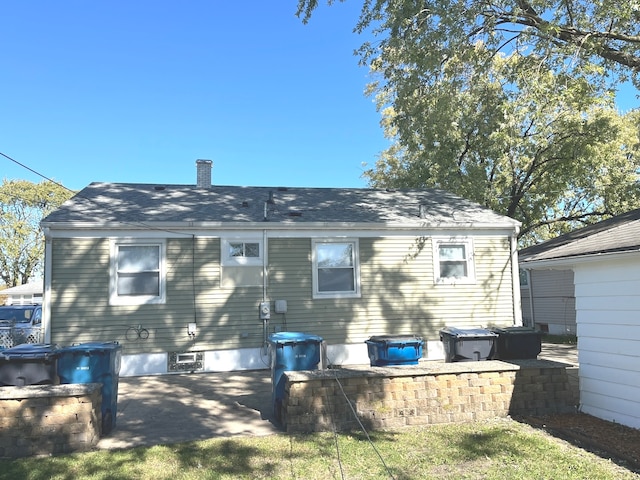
(138, 225)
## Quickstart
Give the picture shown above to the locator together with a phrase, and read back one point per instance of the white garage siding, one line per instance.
(608, 319)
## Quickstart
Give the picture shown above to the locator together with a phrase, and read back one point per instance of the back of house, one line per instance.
(196, 277)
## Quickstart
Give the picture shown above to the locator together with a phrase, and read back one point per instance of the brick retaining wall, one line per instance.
(49, 419)
(433, 392)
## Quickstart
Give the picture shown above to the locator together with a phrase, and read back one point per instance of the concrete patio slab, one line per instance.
(166, 409)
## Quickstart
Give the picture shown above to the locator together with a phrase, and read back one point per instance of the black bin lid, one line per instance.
(516, 331)
(467, 332)
(30, 351)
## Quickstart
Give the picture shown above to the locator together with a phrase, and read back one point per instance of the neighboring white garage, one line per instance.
(27, 294)
(605, 259)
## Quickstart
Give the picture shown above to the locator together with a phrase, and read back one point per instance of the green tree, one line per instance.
(604, 34)
(22, 205)
(527, 142)
(488, 100)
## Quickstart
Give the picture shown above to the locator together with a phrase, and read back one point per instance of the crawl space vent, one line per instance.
(185, 361)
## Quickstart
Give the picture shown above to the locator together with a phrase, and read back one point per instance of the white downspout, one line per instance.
(515, 278)
(265, 322)
(46, 294)
(264, 265)
(529, 282)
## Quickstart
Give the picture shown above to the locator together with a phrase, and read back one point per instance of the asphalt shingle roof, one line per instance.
(106, 203)
(616, 234)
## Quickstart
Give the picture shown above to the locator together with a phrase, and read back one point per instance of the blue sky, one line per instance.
(136, 91)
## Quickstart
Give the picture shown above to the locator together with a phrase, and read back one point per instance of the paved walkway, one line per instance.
(564, 353)
(164, 409)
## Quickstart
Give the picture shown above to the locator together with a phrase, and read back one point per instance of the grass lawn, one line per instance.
(497, 449)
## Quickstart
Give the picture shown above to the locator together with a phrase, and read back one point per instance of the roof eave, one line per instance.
(511, 226)
(571, 261)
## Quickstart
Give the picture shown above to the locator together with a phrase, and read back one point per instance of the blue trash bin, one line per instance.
(391, 350)
(291, 351)
(97, 362)
(29, 364)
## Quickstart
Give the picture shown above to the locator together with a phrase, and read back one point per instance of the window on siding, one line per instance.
(244, 249)
(241, 252)
(137, 273)
(335, 269)
(453, 260)
(242, 258)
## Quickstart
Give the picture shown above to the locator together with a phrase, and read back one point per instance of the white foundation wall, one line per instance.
(257, 359)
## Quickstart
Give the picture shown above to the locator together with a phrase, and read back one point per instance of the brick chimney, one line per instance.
(204, 173)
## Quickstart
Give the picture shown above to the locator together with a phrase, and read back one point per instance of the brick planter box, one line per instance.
(49, 419)
(433, 392)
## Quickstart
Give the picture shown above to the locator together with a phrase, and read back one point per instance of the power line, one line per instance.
(37, 173)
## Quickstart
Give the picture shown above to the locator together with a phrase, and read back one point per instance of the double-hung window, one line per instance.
(335, 269)
(137, 272)
(453, 260)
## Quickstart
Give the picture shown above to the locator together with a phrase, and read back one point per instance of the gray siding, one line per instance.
(554, 302)
(398, 295)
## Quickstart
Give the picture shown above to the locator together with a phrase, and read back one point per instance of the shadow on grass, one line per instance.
(73, 466)
(229, 458)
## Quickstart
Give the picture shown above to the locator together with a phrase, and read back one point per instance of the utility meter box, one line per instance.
(281, 306)
(264, 310)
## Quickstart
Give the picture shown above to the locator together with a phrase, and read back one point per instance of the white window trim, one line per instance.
(228, 261)
(114, 298)
(356, 268)
(471, 271)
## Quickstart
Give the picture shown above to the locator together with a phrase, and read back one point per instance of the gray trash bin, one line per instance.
(467, 345)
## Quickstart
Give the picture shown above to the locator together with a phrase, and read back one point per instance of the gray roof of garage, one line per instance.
(616, 234)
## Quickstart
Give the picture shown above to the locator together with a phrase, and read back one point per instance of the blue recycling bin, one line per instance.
(392, 350)
(97, 362)
(29, 364)
(291, 351)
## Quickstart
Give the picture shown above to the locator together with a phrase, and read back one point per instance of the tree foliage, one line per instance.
(509, 104)
(527, 142)
(22, 205)
(603, 33)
